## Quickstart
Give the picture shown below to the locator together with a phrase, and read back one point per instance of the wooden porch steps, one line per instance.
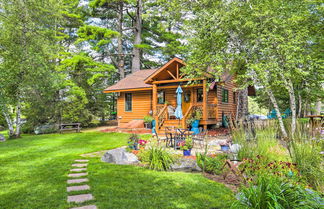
(169, 123)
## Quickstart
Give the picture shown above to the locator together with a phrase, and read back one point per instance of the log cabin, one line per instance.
(153, 91)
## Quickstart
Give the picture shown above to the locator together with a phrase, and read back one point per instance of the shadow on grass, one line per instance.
(33, 169)
(117, 186)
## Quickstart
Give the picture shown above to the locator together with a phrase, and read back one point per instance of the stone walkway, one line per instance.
(79, 170)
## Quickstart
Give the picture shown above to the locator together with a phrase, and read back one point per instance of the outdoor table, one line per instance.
(70, 126)
(173, 132)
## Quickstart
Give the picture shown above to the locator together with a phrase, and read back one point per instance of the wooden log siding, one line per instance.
(142, 105)
(228, 108)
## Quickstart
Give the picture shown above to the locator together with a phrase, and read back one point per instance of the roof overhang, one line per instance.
(127, 90)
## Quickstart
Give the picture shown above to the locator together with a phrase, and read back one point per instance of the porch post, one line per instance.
(154, 99)
(205, 116)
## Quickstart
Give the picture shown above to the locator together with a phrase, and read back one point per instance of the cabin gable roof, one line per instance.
(134, 81)
(169, 71)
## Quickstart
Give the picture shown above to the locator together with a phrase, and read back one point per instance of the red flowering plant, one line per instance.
(142, 142)
(257, 166)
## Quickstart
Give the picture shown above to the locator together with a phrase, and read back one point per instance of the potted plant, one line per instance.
(133, 142)
(148, 121)
(195, 120)
(224, 146)
(186, 146)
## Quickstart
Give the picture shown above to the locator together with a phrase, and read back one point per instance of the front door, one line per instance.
(186, 98)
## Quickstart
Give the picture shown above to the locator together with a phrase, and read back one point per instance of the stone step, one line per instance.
(76, 181)
(80, 165)
(77, 174)
(78, 169)
(86, 207)
(77, 188)
(80, 198)
(81, 161)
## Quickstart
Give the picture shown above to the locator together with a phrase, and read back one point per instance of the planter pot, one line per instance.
(148, 125)
(195, 127)
(224, 148)
(153, 126)
(187, 152)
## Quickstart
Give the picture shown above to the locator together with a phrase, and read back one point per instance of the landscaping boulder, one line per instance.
(217, 142)
(2, 138)
(186, 165)
(119, 156)
(46, 129)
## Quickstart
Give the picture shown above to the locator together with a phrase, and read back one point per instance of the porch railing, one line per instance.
(193, 108)
(161, 117)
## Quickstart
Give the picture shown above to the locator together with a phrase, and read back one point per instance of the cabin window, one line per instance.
(234, 97)
(225, 95)
(128, 102)
(161, 97)
(200, 95)
(187, 97)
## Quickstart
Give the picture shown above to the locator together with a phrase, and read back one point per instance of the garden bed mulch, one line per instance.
(130, 131)
(218, 132)
(231, 181)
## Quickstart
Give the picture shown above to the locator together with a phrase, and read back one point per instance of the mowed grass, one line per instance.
(34, 169)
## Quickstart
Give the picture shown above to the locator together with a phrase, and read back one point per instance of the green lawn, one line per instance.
(33, 174)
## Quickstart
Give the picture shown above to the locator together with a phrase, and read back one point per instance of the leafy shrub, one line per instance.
(157, 158)
(27, 128)
(209, 164)
(148, 119)
(274, 192)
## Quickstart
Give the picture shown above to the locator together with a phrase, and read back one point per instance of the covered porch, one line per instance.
(194, 98)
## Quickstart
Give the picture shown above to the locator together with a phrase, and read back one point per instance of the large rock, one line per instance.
(2, 138)
(46, 129)
(119, 156)
(217, 142)
(185, 164)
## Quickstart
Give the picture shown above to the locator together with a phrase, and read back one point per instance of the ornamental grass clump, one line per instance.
(305, 150)
(275, 192)
(157, 158)
(309, 161)
(212, 165)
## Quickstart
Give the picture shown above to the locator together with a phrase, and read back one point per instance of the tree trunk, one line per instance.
(121, 62)
(18, 120)
(136, 60)
(10, 124)
(300, 104)
(242, 104)
(276, 107)
(292, 100)
(318, 107)
(292, 106)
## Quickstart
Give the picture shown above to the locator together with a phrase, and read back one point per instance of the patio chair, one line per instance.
(180, 136)
(171, 112)
(168, 136)
(200, 138)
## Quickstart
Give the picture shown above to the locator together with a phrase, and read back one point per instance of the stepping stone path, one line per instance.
(76, 172)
